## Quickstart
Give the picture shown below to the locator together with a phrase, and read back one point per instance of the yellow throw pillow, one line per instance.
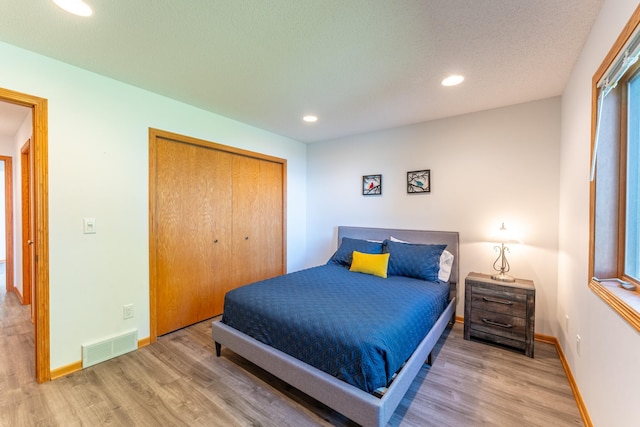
(375, 264)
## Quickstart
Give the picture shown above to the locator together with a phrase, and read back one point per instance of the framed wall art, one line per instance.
(371, 185)
(419, 181)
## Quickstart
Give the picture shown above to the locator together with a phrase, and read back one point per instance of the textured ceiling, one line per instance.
(360, 65)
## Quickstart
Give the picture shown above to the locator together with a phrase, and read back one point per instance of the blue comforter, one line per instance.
(356, 327)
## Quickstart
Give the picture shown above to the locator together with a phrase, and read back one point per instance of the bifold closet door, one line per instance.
(258, 208)
(194, 232)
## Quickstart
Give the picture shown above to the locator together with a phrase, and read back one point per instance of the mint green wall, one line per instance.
(98, 168)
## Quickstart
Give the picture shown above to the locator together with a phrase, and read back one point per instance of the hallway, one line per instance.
(17, 358)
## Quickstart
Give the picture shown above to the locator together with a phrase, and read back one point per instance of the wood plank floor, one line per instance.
(178, 381)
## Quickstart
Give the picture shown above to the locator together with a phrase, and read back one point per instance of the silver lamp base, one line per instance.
(503, 277)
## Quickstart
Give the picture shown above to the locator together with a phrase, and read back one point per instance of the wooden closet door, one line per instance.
(194, 247)
(257, 219)
(269, 222)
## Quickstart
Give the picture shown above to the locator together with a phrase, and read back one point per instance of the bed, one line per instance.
(369, 399)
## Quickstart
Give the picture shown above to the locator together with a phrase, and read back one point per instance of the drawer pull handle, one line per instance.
(502, 325)
(498, 301)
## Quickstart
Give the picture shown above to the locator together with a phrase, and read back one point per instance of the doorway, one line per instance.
(39, 205)
(6, 224)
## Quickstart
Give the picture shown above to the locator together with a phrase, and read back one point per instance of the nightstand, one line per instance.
(499, 312)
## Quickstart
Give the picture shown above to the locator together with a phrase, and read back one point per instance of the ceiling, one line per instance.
(360, 65)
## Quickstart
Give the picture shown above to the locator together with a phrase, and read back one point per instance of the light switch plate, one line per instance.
(89, 226)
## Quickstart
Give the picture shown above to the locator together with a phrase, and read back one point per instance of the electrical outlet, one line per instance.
(578, 340)
(127, 311)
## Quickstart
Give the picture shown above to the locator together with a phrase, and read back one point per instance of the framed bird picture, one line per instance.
(419, 181)
(371, 185)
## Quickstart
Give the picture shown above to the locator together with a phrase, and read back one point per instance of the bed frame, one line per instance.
(350, 401)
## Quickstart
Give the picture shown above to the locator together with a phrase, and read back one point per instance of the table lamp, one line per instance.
(501, 264)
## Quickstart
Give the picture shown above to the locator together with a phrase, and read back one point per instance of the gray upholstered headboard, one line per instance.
(450, 238)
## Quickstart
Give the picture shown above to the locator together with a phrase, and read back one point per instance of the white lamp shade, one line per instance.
(503, 235)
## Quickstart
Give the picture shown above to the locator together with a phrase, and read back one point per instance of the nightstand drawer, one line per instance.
(497, 339)
(497, 301)
(499, 324)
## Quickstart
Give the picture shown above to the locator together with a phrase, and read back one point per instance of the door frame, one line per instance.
(39, 150)
(26, 191)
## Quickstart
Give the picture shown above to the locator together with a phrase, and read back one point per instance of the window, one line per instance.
(632, 197)
(615, 185)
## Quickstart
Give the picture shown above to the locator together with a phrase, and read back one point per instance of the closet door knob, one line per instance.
(246, 238)
(30, 242)
(215, 241)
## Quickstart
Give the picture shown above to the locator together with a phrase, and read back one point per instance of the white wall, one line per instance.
(98, 167)
(487, 167)
(3, 231)
(608, 366)
(6, 142)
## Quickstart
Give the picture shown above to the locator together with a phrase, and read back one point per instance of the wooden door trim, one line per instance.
(24, 150)
(26, 215)
(154, 135)
(40, 172)
(157, 133)
(8, 226)
(153, 232)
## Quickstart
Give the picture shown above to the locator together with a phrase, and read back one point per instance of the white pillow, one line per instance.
(446, 261)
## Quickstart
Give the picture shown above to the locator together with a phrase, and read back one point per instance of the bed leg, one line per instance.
(218, 349)
(430, 358)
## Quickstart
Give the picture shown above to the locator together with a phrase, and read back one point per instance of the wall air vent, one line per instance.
(109, 348)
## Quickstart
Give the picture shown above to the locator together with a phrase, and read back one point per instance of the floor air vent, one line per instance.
(109, 348)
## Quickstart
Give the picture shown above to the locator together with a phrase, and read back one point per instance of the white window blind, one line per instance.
(628, 56)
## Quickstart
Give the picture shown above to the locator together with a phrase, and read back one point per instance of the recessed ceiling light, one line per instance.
(309, 118)
(452, 80)
(77, 7)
